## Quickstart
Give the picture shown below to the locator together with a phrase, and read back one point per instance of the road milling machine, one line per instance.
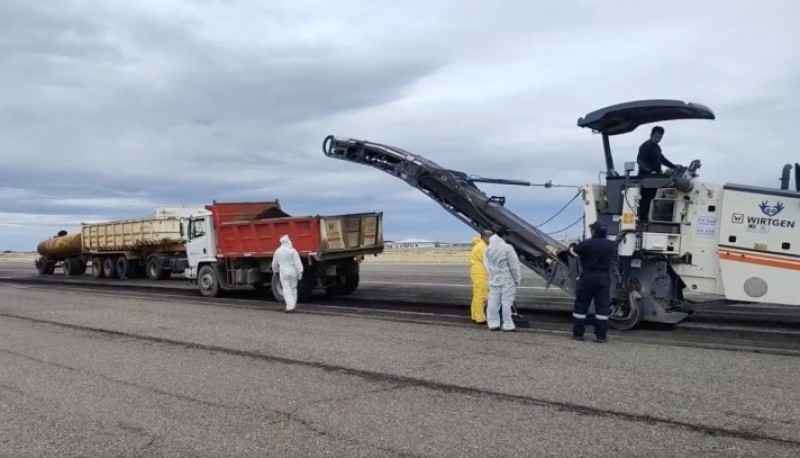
(678, 236)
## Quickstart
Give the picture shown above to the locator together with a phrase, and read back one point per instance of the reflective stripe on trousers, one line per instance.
(592, 287)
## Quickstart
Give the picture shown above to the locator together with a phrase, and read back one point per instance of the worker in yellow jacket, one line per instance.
(480, 277)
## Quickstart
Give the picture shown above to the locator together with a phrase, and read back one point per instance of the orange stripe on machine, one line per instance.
(763, 259)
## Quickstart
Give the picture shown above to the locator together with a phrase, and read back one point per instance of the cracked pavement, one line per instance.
(86, 375)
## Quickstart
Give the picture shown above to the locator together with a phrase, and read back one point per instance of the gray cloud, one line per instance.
(110, 109)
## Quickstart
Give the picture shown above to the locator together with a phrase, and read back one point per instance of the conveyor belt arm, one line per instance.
(457, 193)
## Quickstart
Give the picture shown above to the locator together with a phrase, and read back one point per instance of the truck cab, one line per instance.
(201, 242)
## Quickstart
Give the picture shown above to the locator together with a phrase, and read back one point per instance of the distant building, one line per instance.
(413, 243)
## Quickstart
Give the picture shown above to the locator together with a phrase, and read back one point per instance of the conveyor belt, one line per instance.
(457, 193)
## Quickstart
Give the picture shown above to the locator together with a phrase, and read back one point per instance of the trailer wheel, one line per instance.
(109, 267)
(208, 281)
(44, 267)
(125, 267)
(72, 267)
(97, 268)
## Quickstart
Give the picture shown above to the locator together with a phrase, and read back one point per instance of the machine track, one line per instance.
(712, 331)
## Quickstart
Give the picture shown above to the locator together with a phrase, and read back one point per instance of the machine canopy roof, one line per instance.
(626, 117)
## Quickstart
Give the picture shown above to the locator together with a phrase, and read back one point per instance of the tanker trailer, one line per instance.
(64, 248)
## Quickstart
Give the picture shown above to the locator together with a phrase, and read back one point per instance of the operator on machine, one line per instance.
(650, 159)
(596, 256)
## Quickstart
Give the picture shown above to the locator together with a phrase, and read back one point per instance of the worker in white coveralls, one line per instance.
(287, 263)
(503, 265)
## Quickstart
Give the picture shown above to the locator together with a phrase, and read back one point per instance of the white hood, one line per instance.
(496, 239)
(502, 262)
(286, 259)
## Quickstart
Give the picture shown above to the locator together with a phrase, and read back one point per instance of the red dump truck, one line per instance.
(232, 244)
(221, 246)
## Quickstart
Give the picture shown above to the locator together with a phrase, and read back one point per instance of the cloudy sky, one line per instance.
(111, 109)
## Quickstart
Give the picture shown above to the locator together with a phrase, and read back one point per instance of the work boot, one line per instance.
(601, 339)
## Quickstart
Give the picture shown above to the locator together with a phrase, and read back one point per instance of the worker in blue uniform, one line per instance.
(596, 256)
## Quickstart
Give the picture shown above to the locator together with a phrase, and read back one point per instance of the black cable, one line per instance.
(562, 230)
(559, 212)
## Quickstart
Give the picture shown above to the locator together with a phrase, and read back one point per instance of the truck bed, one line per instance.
(321, 237)
(132, 235)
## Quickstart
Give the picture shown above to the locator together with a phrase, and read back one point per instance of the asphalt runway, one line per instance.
(447, 285)
(90, 373)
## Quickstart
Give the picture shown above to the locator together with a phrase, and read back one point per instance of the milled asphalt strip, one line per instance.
(410, 317)
(422, 383)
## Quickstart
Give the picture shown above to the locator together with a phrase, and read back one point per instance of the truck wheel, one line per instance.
(350, 283)
(125, 267)
(208, 281)
(109, 267)
(155, 270)
(97, 268)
